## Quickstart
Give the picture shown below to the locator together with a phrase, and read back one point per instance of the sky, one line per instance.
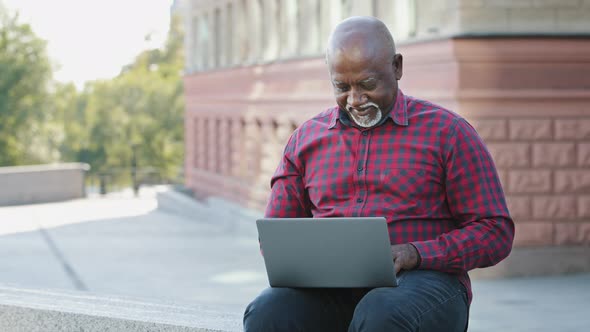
(93, 39)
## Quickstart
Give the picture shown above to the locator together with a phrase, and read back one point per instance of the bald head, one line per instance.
(364, 69)
(361, 38)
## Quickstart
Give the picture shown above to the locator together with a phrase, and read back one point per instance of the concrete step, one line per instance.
(52, 310)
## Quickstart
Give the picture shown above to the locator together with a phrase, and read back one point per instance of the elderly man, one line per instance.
(383, 153)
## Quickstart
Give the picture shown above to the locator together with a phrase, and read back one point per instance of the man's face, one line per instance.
(365, 87)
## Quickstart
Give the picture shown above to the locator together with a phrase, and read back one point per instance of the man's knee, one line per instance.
(376, 313)
(266, 311)
(281, 309)
(391, 309)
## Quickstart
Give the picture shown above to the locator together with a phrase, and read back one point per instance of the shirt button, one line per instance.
(365, 133)
(359, 200)
(360, 169)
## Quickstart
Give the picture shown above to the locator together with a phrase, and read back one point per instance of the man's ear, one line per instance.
(398, 65)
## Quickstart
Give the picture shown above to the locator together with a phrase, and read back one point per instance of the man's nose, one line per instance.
(356, 98)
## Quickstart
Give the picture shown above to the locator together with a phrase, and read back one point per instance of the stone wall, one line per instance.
(235, 133)
(41, 183)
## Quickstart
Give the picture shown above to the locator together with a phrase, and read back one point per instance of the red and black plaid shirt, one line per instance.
(424, 169)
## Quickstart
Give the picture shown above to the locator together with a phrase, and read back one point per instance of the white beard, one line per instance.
(366, 121)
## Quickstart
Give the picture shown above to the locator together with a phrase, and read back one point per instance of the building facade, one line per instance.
(518, 70)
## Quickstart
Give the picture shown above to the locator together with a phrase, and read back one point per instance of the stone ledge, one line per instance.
(45, 167)
(42, 183)
(55, 310)
(538, 261)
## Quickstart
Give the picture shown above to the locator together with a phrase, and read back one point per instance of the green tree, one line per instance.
(25, 75)
(141, 109)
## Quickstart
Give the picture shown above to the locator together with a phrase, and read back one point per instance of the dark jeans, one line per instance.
(424, 301)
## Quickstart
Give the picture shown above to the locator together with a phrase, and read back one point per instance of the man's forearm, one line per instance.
(479, 244)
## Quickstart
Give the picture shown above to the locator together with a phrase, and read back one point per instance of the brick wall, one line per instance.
(545, 170)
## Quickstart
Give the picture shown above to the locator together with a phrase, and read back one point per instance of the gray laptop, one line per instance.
(327, 252)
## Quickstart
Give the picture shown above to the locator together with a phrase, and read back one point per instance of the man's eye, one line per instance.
(341, 88)
(369, 86)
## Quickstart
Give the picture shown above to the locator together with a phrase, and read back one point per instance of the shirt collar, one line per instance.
(399, 113)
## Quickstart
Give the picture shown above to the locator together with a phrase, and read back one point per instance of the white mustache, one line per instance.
(362, 107)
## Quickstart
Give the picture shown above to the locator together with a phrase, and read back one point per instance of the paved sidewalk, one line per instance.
(532, 304)
(121, 245)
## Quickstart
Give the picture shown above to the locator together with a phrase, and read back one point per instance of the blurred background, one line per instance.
(94, 83)
(137, 138)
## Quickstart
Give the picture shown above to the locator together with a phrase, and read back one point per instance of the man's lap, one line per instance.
(427, 300)
(299, 309)
(424, 300)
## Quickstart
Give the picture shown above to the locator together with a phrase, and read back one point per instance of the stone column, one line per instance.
(230, 34)
(361, 8)
(211, 39)
(267, 152)
(385, 11)
(345, 8)
(271, 29)
(190, 158)
(236, 147)
(216, 37)
(198, 56)
(204, 50)
(190, 40)
(212, 163)
(223, 143)
(308, 27)
(266, 162)
(329, 16)
(252, 140)
(201, 143)
(289, 28)
(254, 23)
(240, 40)
(222, 35)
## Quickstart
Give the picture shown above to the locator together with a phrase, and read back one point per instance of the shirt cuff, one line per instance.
(419, 257)
(427, 253)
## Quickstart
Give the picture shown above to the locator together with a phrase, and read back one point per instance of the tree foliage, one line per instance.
(25, 75)
(138, 113)
(141, 110)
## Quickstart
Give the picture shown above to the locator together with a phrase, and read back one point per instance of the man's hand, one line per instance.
(405, 256)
